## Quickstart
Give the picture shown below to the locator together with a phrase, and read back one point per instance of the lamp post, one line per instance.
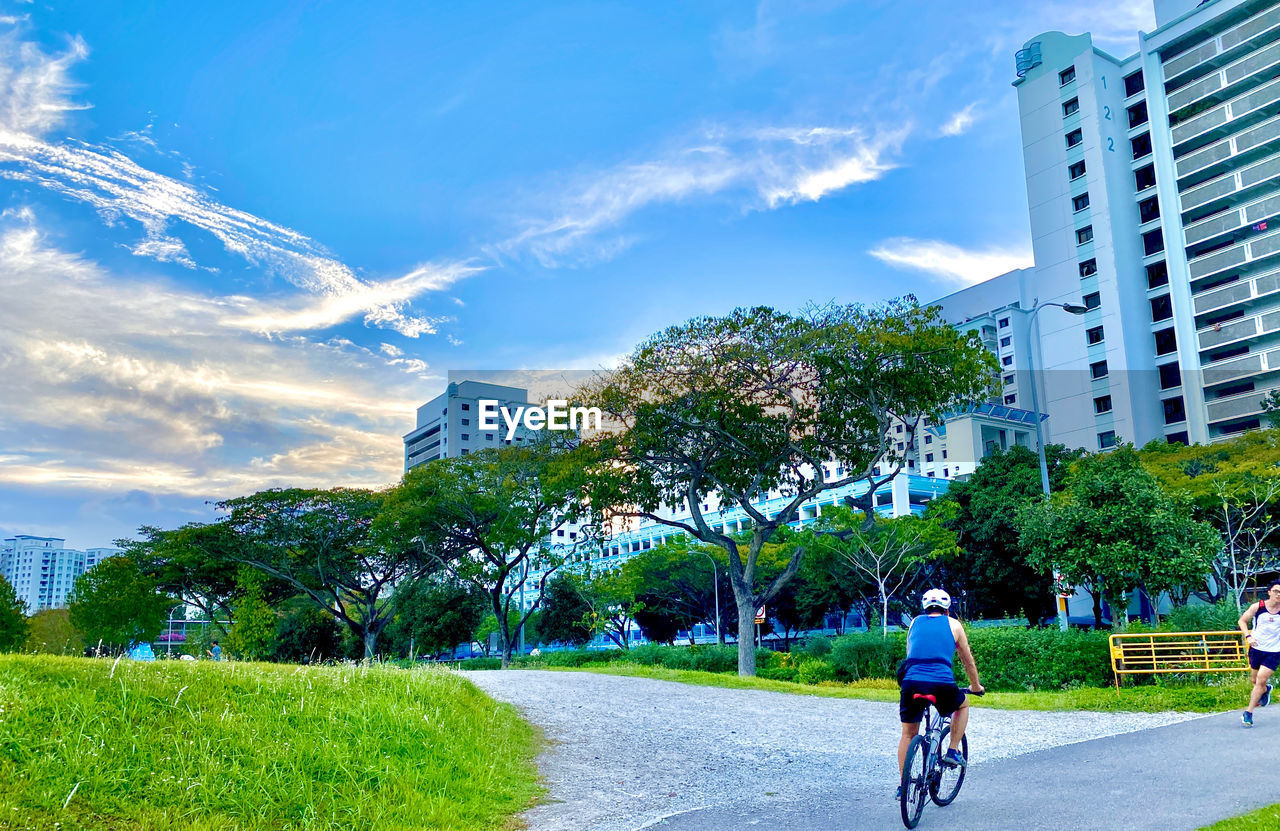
(715, 584)
(1036, 306)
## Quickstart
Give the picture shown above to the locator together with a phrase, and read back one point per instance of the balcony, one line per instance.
(1242, 253)
(1240, 183)
(1239, 368)
(1220, 84)
(1262, 286)
(1228, 117)
(1245, 404)
(1232, 220)
(1223, 48)
(1207, 160)
(1221, 334)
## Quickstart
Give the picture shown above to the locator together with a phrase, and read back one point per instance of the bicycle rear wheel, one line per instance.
(915, 782)
(946, 782)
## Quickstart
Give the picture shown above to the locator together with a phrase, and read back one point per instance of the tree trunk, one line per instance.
(746, 638)
(884, 614)
(1097, 609)
(370, 642)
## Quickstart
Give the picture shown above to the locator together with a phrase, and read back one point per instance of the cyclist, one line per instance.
(933, 640)
(1264, 647)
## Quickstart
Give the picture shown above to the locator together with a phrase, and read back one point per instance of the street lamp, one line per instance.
(1036, 306)
(715, 583)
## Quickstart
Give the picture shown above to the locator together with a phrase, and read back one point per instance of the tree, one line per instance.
(1112, 528)
(253, 637)
(324, 545)
(13, 618)
(566, 612)
(115, 604)
(674, 589)
(724, 410)
(304, 633)
(49, 631)
(888, 553)
(503, 520)
(993, 568)
(434, 614)
(1235, 486)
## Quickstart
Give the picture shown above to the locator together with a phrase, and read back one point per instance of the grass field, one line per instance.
(1192, 696)
(88, 744)
(1263, 819)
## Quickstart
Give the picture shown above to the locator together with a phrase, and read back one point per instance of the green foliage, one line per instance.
(253, 635)
(50, 632)
(115, 603)
(1218, 617)
(13, 618)
(1263, 819)
(433, 615)
(858, 656)
(815, 672)
(566, 612)
(1011, 658)
(255, 746)
(818, 646)
(1113, 528)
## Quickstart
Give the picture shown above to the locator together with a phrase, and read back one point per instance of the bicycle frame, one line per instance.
(929, 743)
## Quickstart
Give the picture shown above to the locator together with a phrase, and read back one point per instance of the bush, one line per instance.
(867, 655)
(815, 671)
(1039, 659)
(778, 673)
(818, 646)
(1220, 617)
(480, 663)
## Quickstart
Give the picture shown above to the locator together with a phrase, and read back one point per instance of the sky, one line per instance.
(240, 243)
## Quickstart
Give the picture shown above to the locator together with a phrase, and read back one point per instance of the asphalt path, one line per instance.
(634, 753)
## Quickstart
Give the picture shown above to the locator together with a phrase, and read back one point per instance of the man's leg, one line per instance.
(959, 720)
(1259, 687)
(909, 732)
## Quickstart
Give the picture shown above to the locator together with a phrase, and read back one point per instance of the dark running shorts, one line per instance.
(1259, 659)
(911, 710)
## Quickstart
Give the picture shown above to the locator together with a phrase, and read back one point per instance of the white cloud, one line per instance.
(960, 122)
(952, 263)
(764, 168)
(35, 88)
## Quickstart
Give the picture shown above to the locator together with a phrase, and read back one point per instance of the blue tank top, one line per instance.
(930, 649)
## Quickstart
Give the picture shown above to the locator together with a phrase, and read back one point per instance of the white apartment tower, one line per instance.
(449, 424)
(42, 570)
(1153, 185)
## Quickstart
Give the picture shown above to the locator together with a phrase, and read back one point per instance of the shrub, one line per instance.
(1219, 617)
(815, 671)
(480, 663)
(867, 655)
(1026, 659)
(777, 673)
(818, 646)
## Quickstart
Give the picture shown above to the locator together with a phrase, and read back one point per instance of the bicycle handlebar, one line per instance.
(968, 691)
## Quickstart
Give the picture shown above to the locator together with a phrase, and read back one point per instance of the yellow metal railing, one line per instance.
(1163, 652)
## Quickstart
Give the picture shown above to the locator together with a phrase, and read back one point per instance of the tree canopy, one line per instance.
(115, 604)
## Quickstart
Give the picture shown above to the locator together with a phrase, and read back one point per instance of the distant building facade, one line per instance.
(42, 570)
(448, 425)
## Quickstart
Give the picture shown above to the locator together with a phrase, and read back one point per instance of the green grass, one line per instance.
(1263, 819)
(203, 746)
(1194, 696)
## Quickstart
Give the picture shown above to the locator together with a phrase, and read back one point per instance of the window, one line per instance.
(1084, 234)
(1067, 75)
(1075, 171)
(1011, 399)
(928, 439)
(1175, 412)
(1133, 84)
(1007, 360)
(945, 473)
(1138, 114)
(466, 422)
(897, 429)
(1008, 379)
(1102, 404)
(1141, 145)
(1071, 107)
(1079, 203)
(1161, 308)
(1178, 438)
(899, 445)
(928, 457)
(488, 436)
(1006, 340)
(1092, 300)
(466, 437)
(1004, 323)
(944, 454)
(1170, 376)
(466, 406)
(1098, 370)
(1106, 439)
(1144, 177)
(1166, 342)
(1094, 335)
(1153, 242)
(1149, 209)
(1075, 137)
(1088, 268)
(1157, 275)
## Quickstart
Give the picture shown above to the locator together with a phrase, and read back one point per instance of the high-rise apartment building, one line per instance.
(42, 570)
(449, 424)
(1153, 185)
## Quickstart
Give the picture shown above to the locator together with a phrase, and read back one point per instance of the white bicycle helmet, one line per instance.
(936, 597)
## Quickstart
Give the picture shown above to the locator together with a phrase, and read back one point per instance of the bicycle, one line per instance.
(924, 776)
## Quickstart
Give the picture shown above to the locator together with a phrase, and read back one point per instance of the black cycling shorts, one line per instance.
(911, 710)
(1259, 659)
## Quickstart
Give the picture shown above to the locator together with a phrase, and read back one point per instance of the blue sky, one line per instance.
(239, 243)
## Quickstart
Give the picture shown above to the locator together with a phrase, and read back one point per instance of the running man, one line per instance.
(1264, 647)
(932, 642)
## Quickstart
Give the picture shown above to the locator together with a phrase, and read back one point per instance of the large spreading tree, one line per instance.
(115, 605)
(503, 520)
(720, 411)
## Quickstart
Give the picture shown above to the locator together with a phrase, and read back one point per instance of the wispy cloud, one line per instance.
(956, 265)
(35, 89)
(764, 168)
(961, 121)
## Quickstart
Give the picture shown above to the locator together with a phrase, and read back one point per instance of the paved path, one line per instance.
(633, 753)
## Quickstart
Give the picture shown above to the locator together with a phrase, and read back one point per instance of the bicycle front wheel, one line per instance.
(915, 782)
(945, 785)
